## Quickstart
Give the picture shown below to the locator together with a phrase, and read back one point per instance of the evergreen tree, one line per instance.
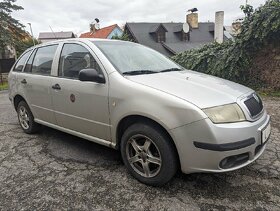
(11, 30)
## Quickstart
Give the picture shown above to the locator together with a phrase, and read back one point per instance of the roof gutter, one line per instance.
(168, 48)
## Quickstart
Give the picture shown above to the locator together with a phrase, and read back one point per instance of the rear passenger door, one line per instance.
(36, 83)
(80, 106)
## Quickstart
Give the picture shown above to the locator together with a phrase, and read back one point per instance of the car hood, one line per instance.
(200, 89)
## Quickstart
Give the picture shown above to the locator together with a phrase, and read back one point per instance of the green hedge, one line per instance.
(232, 59)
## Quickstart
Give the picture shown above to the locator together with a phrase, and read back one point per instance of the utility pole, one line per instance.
(31, 33)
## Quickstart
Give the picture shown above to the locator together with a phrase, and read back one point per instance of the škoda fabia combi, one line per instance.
(129, 97)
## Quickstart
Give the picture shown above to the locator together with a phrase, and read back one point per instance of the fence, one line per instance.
(5, 66)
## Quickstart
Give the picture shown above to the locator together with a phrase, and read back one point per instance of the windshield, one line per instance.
(133, 58)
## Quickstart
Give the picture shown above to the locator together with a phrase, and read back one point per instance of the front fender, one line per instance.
(129, 98)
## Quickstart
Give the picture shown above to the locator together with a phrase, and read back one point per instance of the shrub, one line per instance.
(232, 59)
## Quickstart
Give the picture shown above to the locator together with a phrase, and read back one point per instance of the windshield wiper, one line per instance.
(171, 69)
(139, 72)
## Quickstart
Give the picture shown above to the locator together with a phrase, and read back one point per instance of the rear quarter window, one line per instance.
(28, 65)
(21, 62)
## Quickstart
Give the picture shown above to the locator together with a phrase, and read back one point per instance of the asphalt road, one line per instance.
(56, 171)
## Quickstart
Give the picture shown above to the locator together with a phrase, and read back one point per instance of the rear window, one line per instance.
(21, 62)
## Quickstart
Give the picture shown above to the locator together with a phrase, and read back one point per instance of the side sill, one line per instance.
(225, 147)
(81, 135)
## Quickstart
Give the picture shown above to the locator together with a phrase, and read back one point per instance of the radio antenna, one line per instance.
(53, 32)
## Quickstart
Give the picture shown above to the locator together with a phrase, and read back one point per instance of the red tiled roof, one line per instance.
(101, 33)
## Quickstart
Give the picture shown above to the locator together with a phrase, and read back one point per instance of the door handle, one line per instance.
(56, 86)
(24, 81)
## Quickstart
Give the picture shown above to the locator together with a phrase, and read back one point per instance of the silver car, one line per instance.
(129, 97)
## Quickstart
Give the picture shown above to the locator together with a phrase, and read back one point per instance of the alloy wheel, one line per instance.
(143, 156)
(23, 117)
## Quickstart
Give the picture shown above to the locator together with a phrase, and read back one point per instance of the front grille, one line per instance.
(254, 105)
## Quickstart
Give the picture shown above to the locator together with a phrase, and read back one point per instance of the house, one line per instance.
(173, 38)
(50, 36)
(8, 54)
(106, 33)
(229, 33)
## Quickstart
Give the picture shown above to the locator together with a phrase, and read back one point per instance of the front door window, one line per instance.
(73, 59)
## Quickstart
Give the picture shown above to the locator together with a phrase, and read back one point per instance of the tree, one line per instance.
(11, 30)
(124, 37)
(24, 44)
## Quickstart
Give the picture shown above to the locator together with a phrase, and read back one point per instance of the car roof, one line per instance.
(74, 39)
(78, 39)
(83, 40)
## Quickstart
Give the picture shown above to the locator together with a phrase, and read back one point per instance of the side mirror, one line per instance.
(91, 75)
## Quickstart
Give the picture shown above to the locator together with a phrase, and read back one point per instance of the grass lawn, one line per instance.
(270, 93)
(3, 86)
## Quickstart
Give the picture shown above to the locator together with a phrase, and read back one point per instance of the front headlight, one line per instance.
(225, 113)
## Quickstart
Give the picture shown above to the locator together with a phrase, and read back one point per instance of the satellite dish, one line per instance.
(186, 27)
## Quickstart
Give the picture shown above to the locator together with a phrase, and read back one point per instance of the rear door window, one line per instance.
(42, 63)
(21, 62)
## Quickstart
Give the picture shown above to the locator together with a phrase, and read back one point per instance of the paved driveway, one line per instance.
(55, 171)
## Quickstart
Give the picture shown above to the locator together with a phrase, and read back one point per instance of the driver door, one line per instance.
(80, 106)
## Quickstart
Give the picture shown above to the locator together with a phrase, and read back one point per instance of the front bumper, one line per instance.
(219, 141)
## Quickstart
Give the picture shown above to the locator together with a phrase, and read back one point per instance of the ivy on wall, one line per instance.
(232, 59)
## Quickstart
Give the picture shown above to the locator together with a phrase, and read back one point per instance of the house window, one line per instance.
(161, 37)
(185, 36)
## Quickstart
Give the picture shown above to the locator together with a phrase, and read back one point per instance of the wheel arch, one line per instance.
(17, 99)
(126, 121)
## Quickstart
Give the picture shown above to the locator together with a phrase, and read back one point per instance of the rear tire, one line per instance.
(26, 118)
(149, 154)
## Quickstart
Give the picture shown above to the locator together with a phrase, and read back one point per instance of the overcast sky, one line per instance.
(66, 15)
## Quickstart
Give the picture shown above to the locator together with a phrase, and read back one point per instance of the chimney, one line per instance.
(219, 27)
(92, 28)
(192, 20)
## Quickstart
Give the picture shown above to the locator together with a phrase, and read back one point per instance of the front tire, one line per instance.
(149, 154)
(26, 118)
